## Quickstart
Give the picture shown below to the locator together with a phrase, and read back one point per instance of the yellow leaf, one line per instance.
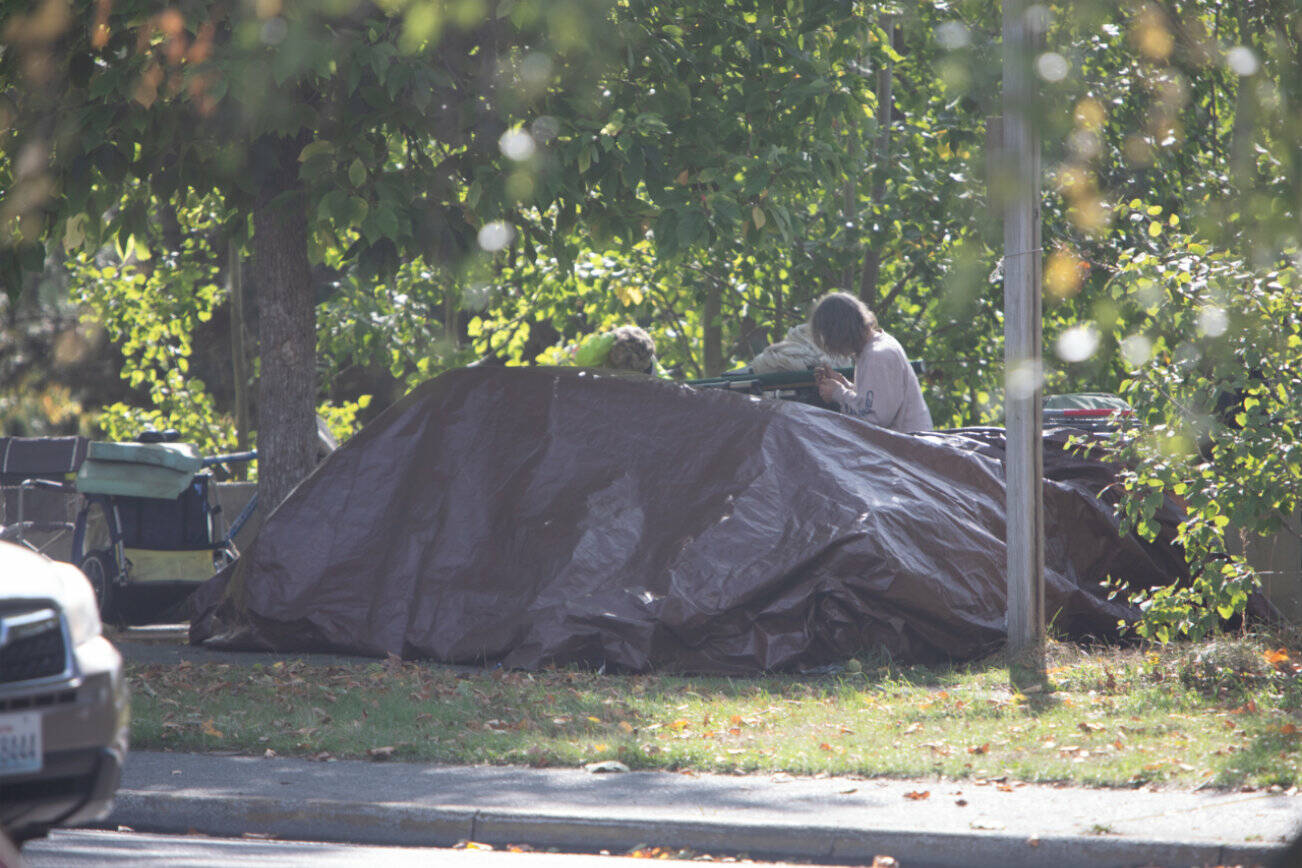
(1154, 229)
(594, 719)
(628, 295)
(209, 729)
(757, 215)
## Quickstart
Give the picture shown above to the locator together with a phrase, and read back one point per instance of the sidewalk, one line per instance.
(834, 820)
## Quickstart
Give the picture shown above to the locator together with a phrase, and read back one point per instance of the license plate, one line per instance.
(21, 751)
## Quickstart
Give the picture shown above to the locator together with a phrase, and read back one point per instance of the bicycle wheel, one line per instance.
(100, 568)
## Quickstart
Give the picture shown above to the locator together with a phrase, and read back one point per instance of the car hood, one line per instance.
(25, 574)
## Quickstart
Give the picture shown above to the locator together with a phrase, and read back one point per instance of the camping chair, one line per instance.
(32, 464)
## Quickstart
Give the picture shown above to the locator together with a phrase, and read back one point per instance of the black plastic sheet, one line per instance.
(535, 516)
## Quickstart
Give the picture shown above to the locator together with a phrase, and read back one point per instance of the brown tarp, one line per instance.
(533, 516)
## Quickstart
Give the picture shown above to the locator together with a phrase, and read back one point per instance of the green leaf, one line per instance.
(357, 173)
(357, 210)
(316, 148)
(691, 227)
(333, 207)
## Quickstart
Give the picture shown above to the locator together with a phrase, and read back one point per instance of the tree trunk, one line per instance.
(872, 260)
(286, 325)
(713, 329)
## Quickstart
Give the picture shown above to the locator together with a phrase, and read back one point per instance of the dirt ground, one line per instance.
(169, 644)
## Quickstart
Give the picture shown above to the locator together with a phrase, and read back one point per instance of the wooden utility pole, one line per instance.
(1020, 179)
(239, 357)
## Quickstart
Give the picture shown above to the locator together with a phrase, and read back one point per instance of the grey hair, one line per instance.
(842, 324)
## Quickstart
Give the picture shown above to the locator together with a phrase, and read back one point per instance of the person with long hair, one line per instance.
(885, 390)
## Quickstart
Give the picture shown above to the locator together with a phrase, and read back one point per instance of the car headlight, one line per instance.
(80, 607)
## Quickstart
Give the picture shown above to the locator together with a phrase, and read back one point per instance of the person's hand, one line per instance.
(829, 389)
(838, 377)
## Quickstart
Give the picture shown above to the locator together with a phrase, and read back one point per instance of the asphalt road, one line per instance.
(81, 848)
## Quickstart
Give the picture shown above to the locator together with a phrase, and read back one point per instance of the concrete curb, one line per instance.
(397, 824)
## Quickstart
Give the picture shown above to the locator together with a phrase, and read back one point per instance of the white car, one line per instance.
(63, 699)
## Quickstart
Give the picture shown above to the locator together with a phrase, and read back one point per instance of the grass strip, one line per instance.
(1223, 714)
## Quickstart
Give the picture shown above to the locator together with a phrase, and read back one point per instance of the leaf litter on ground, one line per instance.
(1225, 713)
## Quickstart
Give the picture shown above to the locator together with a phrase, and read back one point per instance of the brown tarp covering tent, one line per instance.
(535, 516)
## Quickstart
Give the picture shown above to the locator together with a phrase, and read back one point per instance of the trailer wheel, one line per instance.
(100, 569)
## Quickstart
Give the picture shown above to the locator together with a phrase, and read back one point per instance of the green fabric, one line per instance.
(158, 470)
(593, 351)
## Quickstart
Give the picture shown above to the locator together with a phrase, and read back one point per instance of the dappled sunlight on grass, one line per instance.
(1206, 715)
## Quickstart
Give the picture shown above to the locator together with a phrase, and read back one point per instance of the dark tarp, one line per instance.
(535, 515)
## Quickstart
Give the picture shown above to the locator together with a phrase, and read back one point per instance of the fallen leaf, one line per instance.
(979, 749)
(209, 729)
(269, 753)
(471, 845)
(912, 728)
(824, 746)
(917, 795)
(626, 727)
(1086, 726)
(380, 753)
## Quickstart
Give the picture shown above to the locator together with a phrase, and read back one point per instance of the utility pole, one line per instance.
(1020, 179)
